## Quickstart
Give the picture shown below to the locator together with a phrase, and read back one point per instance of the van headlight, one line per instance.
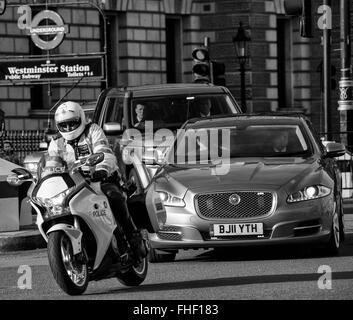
(309, 193)
(171, 200)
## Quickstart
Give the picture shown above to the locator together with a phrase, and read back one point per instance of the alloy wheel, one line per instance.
(75, 270)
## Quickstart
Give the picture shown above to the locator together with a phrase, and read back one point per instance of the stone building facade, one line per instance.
(150, 42)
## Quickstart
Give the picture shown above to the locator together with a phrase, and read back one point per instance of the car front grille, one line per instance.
(219, 206)
(170, 236)
(171, 233)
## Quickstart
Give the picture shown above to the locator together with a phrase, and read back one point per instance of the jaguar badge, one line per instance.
(234, 199)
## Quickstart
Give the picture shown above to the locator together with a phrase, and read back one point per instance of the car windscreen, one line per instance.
(173, 111)
(251, 140)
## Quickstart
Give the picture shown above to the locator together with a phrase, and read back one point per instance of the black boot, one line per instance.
(139, 244)
(117, 200)
(137, 241)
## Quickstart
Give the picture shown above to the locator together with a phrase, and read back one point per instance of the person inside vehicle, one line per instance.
(78, 139)
(8, 154)
(280, 141)
(140, 114)
(204, 105)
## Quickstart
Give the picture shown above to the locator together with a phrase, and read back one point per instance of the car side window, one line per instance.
(114, 111)
(316, 136)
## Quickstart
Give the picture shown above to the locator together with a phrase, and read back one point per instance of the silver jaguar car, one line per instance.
(249, 180)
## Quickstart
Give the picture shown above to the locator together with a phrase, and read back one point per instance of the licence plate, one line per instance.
(238, 229)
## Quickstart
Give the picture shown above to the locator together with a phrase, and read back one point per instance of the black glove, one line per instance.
(99, 175)
(128, 187)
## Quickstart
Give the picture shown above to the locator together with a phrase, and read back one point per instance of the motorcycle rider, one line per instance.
(79, 139)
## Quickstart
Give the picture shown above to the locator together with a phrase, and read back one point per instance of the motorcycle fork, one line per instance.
(83, 256)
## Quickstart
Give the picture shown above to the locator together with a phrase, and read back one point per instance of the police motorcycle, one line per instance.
(84, 242)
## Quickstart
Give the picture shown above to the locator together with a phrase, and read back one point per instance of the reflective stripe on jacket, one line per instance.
(92, 141)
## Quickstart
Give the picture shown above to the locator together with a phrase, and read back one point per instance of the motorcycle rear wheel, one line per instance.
(135, 275)
(70, 275)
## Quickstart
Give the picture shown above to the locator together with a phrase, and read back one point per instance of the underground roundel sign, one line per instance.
(2, 7)
(48, 30)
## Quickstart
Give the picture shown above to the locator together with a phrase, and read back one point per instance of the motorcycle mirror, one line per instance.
(22, 174)
(13, 180)
(94, 159)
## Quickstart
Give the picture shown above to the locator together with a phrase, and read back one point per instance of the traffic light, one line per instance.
(201, 68)
(218, 73)
(302, 8)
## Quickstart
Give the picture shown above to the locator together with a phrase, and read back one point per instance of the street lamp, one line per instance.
(241, 45)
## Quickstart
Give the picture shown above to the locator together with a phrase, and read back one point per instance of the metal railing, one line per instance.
(345, 162)
(23, 142)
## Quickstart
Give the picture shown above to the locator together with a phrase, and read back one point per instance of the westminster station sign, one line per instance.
(2, 7)
(47, 30)
(54, 70)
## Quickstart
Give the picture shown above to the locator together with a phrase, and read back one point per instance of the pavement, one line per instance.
(29, 237)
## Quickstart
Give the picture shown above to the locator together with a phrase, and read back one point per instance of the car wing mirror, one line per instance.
(334, 149)
(112, 128)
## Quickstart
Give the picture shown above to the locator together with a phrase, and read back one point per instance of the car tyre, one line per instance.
(135, 275)
(334, 244)
(135, 181)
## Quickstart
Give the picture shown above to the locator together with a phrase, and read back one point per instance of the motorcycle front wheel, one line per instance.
(70, 274)
(135, 275)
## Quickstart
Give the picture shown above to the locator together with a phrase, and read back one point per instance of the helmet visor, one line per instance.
(69, 125)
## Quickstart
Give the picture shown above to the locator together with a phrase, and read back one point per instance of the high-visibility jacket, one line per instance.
(92, 140)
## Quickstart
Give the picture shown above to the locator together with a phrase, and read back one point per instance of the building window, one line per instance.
(174, 49)
(284, 56)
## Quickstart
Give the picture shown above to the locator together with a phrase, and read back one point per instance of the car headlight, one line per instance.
(55, 205)
(171, 200)
(309, 193)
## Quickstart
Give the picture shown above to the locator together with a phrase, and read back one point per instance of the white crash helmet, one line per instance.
(70, 120)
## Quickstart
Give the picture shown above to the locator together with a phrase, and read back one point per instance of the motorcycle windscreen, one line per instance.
(51, 187)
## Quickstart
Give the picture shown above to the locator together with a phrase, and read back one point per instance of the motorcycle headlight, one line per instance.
(31, 166)
(55, 205)
(171, 200)
(309, 193)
